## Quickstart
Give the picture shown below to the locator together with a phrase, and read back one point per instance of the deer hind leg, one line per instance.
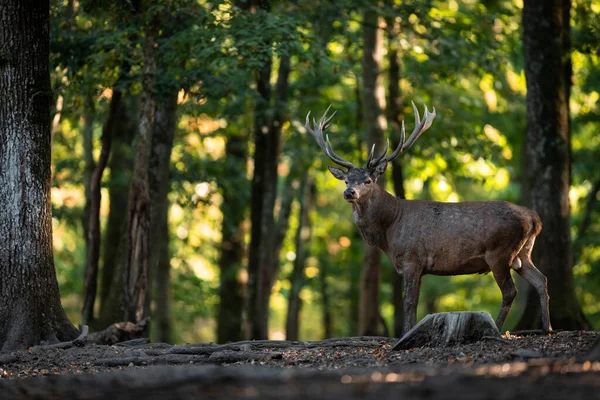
(499, 267)
(538, 280)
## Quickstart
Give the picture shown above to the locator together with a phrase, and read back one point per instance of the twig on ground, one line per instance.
(530, 332)
(133, 342)
(498, 339)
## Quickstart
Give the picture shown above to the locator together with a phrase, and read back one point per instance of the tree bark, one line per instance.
(165, 122)
(375, 124)
(88, 156)
(233, 207)
(264, 190)
(302, 241)
(547, 163)
(260, 222)
(162, 315)
(136, 285)
(395, 117)
(325, 301)
(121, 166)
(589, 209)
(93, 225)
(30, 308)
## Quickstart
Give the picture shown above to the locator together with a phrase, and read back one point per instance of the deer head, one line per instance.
(360, 181)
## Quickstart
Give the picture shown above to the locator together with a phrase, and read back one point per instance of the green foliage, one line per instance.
(464, 58)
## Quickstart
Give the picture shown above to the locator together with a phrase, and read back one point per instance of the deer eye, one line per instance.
(368, 181)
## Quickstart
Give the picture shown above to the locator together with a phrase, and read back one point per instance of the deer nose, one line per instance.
(349, 194)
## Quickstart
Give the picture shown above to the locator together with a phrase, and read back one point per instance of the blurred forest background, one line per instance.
(245, 216)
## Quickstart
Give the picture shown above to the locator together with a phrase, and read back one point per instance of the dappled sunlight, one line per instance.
(463, 58)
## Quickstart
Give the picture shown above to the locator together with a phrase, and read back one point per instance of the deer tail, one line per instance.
(536, 224)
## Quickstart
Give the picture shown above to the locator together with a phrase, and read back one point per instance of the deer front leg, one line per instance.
(412, 288)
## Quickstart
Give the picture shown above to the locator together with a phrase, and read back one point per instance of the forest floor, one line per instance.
(552, 367)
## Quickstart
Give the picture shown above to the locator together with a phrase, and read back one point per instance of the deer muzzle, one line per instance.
(350, 194)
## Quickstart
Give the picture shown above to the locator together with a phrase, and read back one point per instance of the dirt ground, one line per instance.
(552, 367)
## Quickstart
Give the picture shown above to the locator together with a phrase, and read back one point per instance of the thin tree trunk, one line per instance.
(375, 124)
(547, 150)
(590, 204)
(354, 293)
(162, 316)
(326, 302)
(567, 70)
(589, 209)
(88, 156)
(57, 115)
(93, 225)
(301, 241)
(260, 222)
(395, 116)
(270, 266)
(136, 283)
(30, 308)
(165, 122)
(261, 268)
(355, 271)
(233, 207)
(283, 219)
(121, 167)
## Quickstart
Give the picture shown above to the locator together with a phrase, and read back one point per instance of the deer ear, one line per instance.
(338, 173)
(380, 168)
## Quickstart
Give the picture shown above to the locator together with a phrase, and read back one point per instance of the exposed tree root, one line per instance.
(136, 352)
(166, 359)
(8, 358)
(120, 332)
(79, 341)
(529, 332)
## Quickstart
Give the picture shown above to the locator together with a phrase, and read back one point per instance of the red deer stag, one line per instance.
(427, 237)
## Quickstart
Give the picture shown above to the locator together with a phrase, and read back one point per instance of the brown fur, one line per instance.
(426, 237)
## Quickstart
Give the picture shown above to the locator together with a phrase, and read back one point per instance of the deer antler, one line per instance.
(420, 127)
(317, 132)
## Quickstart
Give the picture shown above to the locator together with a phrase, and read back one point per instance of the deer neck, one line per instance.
(374, 216)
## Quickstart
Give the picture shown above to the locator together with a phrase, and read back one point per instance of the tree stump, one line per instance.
(447, 329)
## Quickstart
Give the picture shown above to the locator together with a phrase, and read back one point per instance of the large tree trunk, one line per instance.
(302, 241)
(165, 122)
(233, 207)
(93, 225)
(375, 124)
(547, 164)
(136, 284)
(121, 166)
(30, 308)
(395, 116)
